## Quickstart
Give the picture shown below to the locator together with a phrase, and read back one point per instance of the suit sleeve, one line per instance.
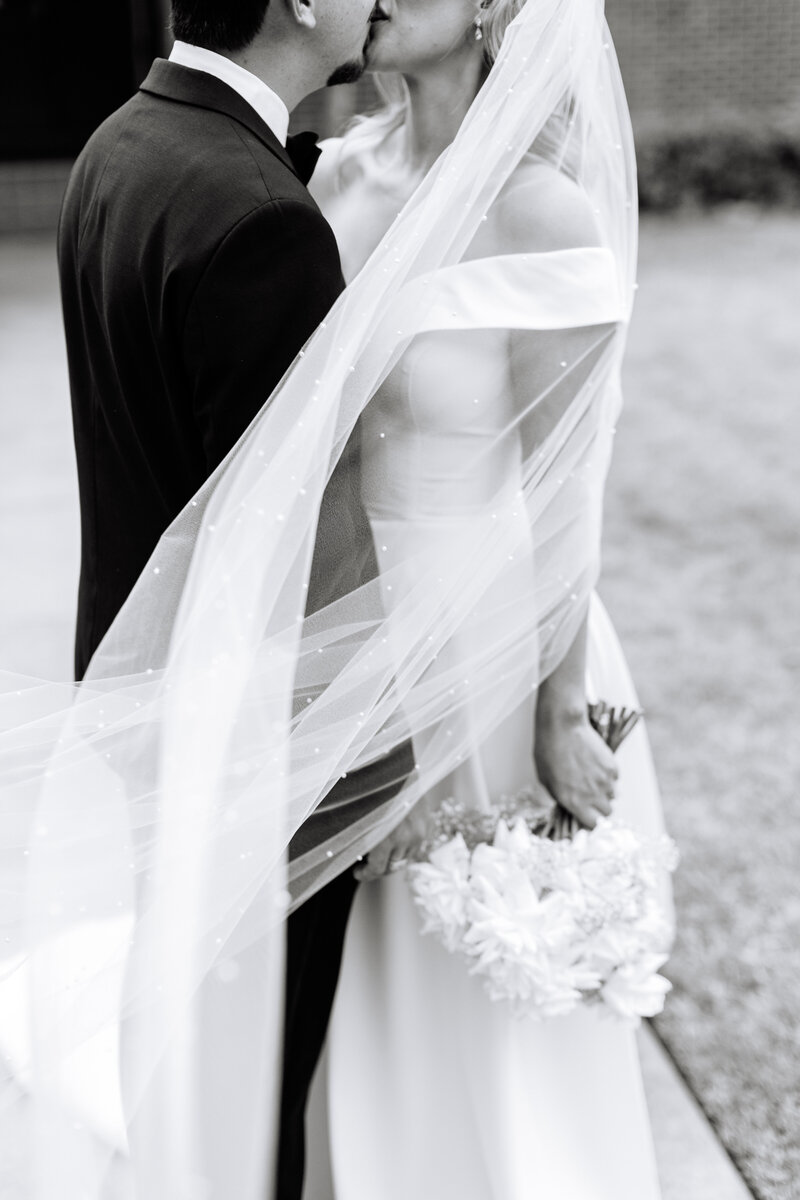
(270, 282)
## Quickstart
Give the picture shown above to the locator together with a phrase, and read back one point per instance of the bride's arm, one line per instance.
(572, 760)
(548, 213)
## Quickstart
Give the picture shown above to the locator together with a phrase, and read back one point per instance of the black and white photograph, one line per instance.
(399, 511)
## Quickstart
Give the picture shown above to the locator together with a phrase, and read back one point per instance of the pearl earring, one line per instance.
(477, 25)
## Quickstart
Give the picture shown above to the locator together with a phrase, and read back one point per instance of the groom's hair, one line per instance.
(218, 24)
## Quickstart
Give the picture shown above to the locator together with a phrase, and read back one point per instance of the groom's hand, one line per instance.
(397, 848)
(575, 765)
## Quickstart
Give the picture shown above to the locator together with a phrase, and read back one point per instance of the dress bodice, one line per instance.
(431, 444)
(428, 433)
(439, 437)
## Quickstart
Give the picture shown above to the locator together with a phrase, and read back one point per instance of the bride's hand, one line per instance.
(575, 765)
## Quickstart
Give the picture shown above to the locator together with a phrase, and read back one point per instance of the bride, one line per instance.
(154, 823)
(431, 1090)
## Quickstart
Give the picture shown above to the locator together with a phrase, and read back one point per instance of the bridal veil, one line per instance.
(147, 812)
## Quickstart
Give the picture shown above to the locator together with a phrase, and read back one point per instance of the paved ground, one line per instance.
(39, 545)
(39, 531)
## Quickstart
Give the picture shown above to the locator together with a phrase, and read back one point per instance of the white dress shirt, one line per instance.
(266, 103)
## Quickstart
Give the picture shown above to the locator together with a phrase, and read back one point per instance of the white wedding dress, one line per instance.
(429, 1091)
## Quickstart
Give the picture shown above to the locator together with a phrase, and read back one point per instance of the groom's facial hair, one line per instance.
(349, 72)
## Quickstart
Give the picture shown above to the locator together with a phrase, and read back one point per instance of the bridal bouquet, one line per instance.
(551, 916)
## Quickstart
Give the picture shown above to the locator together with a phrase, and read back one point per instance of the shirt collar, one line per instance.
(258, 95)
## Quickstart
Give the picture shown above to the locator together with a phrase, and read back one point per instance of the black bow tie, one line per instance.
(304, 153)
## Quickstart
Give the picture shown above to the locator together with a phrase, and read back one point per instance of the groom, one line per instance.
(194, 265)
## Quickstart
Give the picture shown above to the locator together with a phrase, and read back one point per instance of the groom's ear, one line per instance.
(303, 12)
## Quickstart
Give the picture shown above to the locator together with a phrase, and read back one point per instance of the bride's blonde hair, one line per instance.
(496, 16)
(368, 134)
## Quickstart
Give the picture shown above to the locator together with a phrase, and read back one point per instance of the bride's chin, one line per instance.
(381, 58)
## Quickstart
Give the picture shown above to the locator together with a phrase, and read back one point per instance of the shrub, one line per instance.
(718, 159)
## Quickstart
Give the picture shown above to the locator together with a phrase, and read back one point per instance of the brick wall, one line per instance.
(692, 58)
(679, 59)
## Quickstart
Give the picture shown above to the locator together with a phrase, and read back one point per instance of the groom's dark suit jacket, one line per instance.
(194, 265)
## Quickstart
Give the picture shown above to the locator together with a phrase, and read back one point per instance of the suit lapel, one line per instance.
(186, 86)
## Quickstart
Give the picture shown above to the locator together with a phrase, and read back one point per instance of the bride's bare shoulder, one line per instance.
(542, 209)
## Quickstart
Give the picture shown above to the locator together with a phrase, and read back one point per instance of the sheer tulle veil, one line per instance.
(146, 812)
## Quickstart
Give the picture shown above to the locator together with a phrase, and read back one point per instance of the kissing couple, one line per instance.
(343, 417)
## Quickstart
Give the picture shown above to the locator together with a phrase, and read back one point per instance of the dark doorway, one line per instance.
(65, 66)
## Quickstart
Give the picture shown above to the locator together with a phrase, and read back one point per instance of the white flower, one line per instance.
(515, 840)
(666, 853)
(635, 989)
(491, 865)
(609, 947)
(453, 858)
(441, 890)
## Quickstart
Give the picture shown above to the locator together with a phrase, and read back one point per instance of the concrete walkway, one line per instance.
(692, 1163)
(39, 548)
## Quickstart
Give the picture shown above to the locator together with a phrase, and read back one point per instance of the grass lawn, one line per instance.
(701, 576)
